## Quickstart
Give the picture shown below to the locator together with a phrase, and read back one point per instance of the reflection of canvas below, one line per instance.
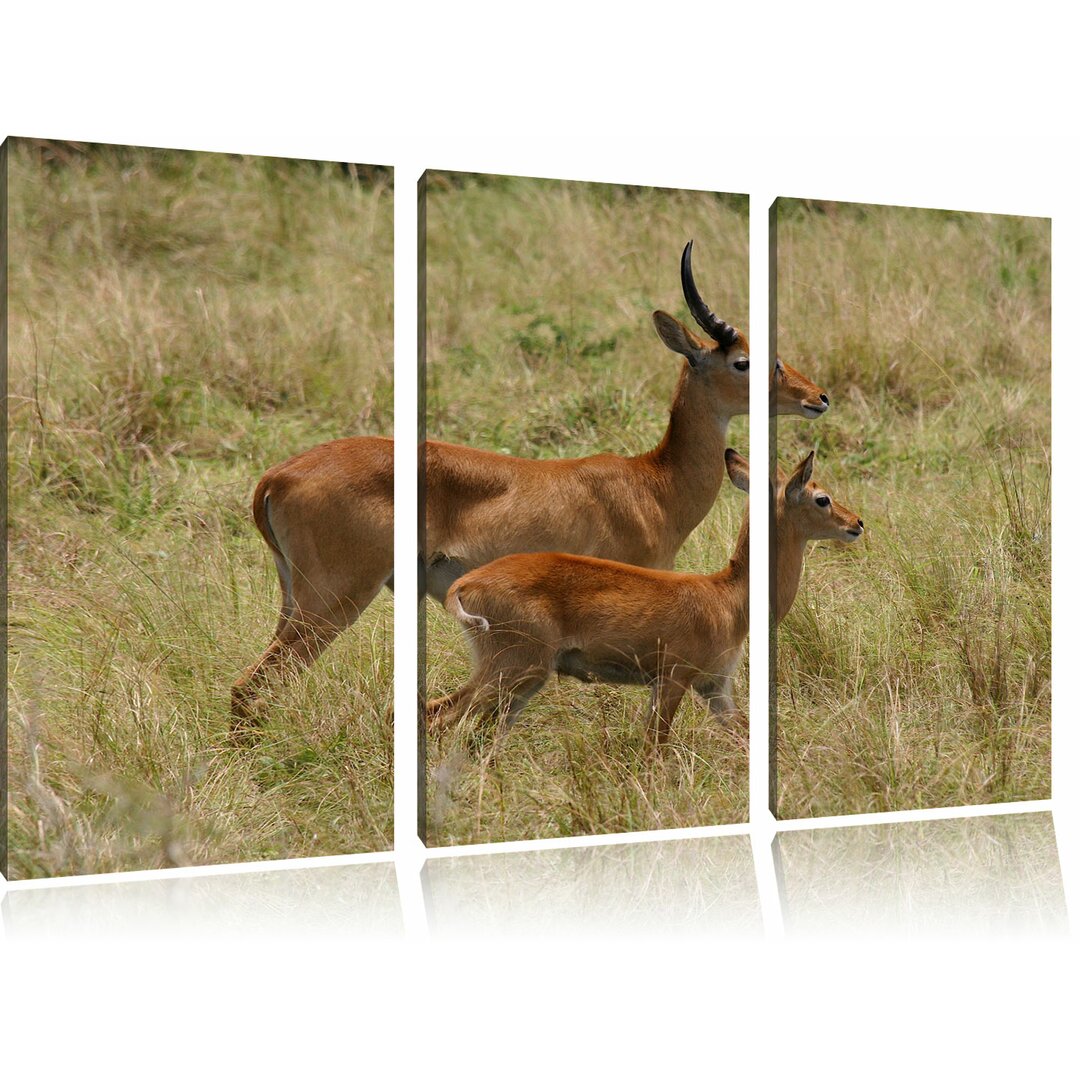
(982, 875)
(339, 900)
(704, 886)
(550, 385)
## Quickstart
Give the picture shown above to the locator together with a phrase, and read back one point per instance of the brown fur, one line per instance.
(638, 510)
(328, 517)
(791, 393)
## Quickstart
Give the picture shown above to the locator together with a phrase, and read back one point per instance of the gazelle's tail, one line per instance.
(470, 621)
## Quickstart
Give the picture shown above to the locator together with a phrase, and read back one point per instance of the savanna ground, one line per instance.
(914, 668)
(540, 344)
(178, 323)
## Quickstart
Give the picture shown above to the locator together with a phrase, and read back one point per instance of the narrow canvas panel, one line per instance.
(179, 325)
(542, 348)
(911, 552)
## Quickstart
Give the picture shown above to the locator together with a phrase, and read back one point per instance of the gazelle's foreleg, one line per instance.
(719, 693)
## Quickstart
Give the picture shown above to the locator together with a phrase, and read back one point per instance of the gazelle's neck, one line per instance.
(788, 548)
(690, 456)
(734, 578)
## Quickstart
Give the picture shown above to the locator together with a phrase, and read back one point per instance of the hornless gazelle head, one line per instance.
(721, 360)
(794, 394)
(812, 510)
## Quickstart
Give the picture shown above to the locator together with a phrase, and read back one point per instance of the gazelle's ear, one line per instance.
(800, 477)
(738, 468)
(678, 338)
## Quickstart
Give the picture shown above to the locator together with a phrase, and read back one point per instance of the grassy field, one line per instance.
(178, 323)
(914, 668)
(540, 344)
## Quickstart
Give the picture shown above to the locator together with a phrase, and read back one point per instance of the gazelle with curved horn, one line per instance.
(790, 393)
(802, 511)
(327, 514)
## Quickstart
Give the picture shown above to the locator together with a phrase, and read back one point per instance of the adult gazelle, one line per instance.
(327, 514)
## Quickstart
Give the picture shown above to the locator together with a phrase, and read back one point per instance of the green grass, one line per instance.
(540, 344)
(914, 668)
(178, 323)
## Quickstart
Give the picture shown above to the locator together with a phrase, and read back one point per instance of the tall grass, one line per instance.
(914, 669)
(540, 344)
(178, 323)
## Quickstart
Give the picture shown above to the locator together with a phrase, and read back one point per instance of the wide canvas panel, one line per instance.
(540, 345)
(912, 669)
(178, 323)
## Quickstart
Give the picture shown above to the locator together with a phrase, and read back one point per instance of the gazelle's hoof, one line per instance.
(435, 714)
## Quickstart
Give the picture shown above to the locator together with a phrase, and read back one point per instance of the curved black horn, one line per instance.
(717, 328)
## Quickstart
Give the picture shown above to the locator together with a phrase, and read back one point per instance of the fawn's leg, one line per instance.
(667, 694)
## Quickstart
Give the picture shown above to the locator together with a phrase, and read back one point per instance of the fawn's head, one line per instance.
(719, 363)
(811, 511)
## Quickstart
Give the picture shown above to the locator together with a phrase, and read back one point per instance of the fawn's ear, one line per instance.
(738, 468)
(800, 477)
(678, 338)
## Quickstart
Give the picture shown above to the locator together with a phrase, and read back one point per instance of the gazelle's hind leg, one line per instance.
(503, 696)
(310, 620)
(510, 667)
(442, 705)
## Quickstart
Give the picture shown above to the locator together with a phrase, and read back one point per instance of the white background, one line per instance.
(919, 104)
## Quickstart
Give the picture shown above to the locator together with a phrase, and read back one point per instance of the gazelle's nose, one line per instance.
(824, 399)
(861, 525)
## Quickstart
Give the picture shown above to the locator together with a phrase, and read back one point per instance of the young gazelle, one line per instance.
(802, 511)
(327, 514)
(528, 616)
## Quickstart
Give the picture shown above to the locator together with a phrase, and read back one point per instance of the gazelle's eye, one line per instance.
(742, 364)
(822, 500)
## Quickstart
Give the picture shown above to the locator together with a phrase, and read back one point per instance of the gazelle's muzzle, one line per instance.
(813, 408)
(855, 531)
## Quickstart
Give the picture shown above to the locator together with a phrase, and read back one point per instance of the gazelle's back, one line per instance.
(491, 505)
(600, 606)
